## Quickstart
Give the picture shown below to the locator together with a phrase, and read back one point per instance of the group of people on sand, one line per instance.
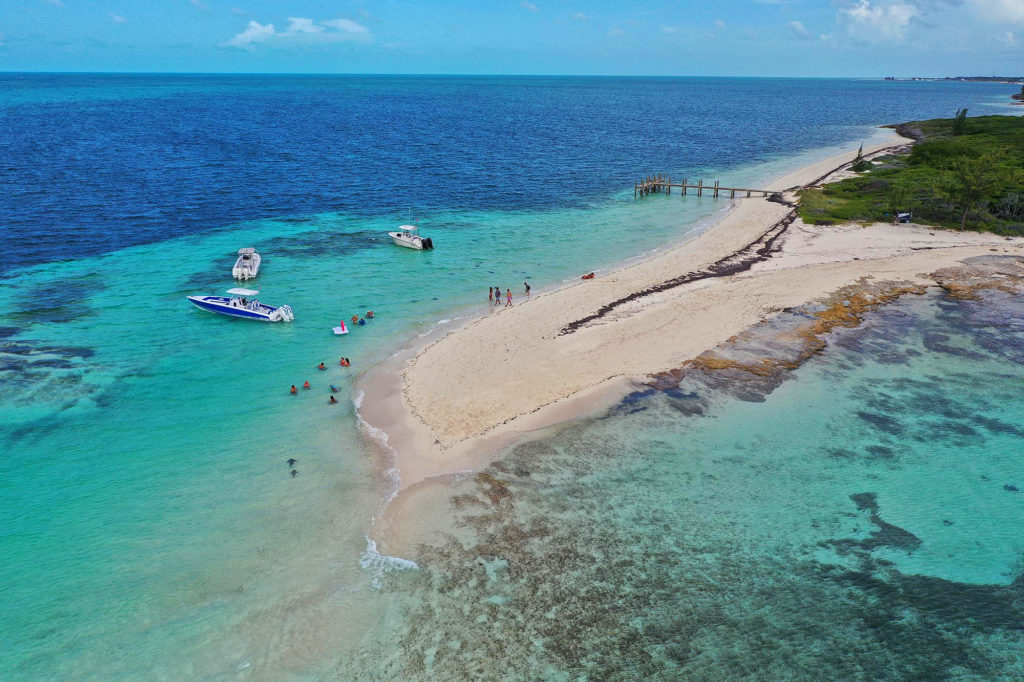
(494, 295)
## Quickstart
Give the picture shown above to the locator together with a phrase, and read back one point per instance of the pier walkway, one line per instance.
(660, 183)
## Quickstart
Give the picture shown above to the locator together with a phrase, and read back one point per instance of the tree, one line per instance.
(860, 164)
(960, 122)
(971, 181)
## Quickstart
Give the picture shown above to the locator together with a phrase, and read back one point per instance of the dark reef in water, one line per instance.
(32, 372)
(541, 590)
(571, 575)
(319, 242)
(885, 535)
(57, 301)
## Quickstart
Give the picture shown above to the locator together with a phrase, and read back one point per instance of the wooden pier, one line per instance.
(660, 183)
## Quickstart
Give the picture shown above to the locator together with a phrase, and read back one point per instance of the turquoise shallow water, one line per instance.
(864, 520)
(168, 516)
(151, 527)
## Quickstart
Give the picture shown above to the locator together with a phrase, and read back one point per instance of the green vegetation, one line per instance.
(960, 122)
(973, 180)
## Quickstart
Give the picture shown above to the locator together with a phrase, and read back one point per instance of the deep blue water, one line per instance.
(151, 527)
(93, 163)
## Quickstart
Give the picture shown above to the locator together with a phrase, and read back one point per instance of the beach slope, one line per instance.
(446, 406)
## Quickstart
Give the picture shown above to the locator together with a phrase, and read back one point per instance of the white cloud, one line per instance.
(871, 23)
(798, 31)
(719, 24)
(1010, 11)
(301, 25)
(117, 19)
(346, 25)
(579, 16)
(253, 33)
(1010, 39)
(300, 30)
(526, 4)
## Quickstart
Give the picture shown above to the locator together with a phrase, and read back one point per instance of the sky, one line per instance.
(813, 38)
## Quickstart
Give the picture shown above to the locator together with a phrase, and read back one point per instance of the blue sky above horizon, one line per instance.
(745, 37)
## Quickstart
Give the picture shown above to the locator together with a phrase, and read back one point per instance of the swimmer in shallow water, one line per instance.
(294, 390)
(294, 472)
(305, 385)
(332, 401)
(321, 366)
(292, 461)
(334, 389)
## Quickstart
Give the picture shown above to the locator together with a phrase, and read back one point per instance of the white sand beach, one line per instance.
(448, 405)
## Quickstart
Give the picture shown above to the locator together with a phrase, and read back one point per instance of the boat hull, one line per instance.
(222, 306)
(411, 241)
(246, 269)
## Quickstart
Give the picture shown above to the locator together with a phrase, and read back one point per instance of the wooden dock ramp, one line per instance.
(660, 183)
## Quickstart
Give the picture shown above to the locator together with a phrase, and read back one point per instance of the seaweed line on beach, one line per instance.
(759, 250)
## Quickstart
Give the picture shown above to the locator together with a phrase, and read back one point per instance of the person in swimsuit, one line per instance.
(490, 295)
(508, 297)
(527, 285)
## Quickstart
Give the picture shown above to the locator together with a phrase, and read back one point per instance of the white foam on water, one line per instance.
(392, 476)
(380, 565)
(444, 321)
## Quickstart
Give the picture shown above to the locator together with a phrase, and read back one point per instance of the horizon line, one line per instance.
(476, 75)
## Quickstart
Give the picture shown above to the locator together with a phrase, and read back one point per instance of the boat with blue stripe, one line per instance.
(242, 306)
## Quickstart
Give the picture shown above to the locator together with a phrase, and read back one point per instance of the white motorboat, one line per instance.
(240, 305)
(247, 265)
(408, 237)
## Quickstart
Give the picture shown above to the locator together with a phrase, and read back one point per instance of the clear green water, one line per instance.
(863, 521)
(146, 441)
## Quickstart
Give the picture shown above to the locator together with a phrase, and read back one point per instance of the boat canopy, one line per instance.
(247, 251)
(408, 228)
(244, 292)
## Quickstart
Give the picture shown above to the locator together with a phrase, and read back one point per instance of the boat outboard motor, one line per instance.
(428, 242)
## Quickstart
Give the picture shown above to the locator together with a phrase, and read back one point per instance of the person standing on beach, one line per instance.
(497, 295)
(508, 295)
(490, 295)
(527, 286)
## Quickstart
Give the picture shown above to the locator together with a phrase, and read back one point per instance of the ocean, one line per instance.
(152, 527)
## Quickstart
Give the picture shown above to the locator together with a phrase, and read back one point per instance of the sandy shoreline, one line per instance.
(451, 403)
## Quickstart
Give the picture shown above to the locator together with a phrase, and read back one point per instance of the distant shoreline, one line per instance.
(1006, 80)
